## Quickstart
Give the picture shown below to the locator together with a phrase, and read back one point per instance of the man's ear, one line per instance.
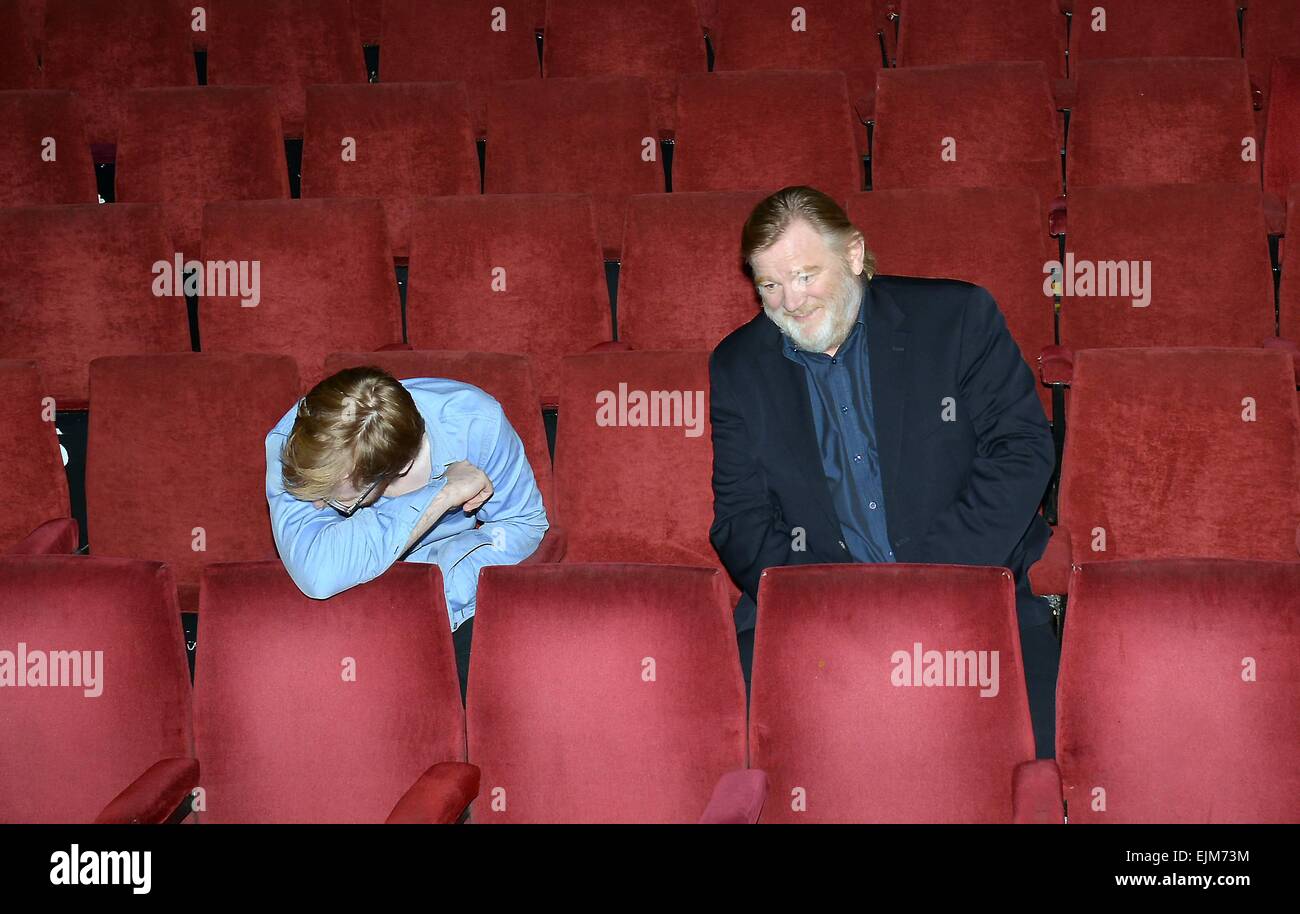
(857, 254)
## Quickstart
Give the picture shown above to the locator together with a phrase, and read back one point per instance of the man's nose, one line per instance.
(794, 298)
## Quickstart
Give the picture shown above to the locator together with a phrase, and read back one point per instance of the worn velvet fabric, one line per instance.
(682, 283)
(575, 136)
(1156, 28)
(29, 456)
(1211, 281)
(837, 734)
(514, 274)
(26, 179)
(286, 44)
(1282, 151)
(1160, 461)
(173, 472)
(992, 237)
(66, 755)
(185, 147)
(940, 32)
(327, 280)
(603, 693)
(19, 38)
(1180, 692)
(411, 140)
(101, 48)
(1289, 296)
(321, 710)
(1271, 30)
(1172, 120)
(1000, 116)
(806, 138)
(76, 283)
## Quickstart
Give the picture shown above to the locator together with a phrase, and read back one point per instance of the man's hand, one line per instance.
(467, 487)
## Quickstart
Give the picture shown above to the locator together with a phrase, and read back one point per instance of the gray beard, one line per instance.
(842, 312)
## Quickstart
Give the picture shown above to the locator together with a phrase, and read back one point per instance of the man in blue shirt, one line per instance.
(365, 471)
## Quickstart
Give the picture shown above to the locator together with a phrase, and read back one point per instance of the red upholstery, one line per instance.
(286, 44)
(635, 493)
(30, 463)
(939, 32)
(682, 283)
(993, 237)
(1282, 150)
(1149, 121)
(1271, 29)
(322, 710)
(518, 274)
(76, 282)
(327, 280)
(1178, 692)
(1000, 117)
(1155, 28)
(806, 137)
(18, 47)
(835, 719)
(562, 136)
(657, 40)
(101, 48)
(1210, 278)
(465, 41)
(835, 35)
(368, 14)
(66, 755)
(1159, 458)
(1289, 298)
(26, 177)
(185, 147)
(603, 693)
(176, 444)
(411, 140)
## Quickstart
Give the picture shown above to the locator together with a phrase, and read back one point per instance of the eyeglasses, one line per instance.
(347, 510)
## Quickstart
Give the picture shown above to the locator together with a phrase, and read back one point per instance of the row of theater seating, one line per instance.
(613, 693)
(1169, 453)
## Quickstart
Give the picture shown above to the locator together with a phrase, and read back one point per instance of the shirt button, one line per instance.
(844, 409)
(871, 505)
(857, 457)
(842, 546)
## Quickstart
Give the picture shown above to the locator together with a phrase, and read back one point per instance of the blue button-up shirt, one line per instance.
(325, 552)
(839, 392)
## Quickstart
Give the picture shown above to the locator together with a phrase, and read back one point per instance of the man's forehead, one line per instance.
(799, 248)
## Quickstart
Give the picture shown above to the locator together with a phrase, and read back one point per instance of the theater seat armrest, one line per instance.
(555, 542)
(1056, 217)
(1286, 345)
(1055, 365)
(1051, 573)
(1256, 97)
(1036, 794)
(395, 347)
(439, 797)
(153, 796)
(737, 798)
(611, 346)
(54, 537)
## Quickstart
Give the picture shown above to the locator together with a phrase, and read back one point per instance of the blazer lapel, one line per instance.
(887, 343)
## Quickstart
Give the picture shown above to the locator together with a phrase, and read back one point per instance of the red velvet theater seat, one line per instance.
(940, 32)
(629, 490)
(1178, 691)
(1176, 120)
(682, 283)
(975, 125)
(36, 516)
(338, 710)
(765, 130)
(1210, 277)
(76, 283)
(367, 14)
(604, 693)
(856, 718)
(18, 47)
(518, 274)
(27, 176)
(464, 41)
(176, 470)
(575, 136)
(113, 742)
(1289, 299)
(993, 237)
(185, 147)
(1164, 460)
(286, 44)
(408, 140)
(326, 280)
(101, 48)
(832, 35)
(1282, 149)
(1271, 30)
(658, 40)
(1155, 28)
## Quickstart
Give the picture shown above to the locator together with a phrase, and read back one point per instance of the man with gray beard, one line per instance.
(879, 418)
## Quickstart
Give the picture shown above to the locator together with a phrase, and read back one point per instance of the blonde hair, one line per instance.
(770, 219)
(359, 425)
